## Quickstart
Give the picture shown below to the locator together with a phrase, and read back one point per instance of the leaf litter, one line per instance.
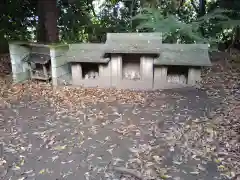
(215, 137)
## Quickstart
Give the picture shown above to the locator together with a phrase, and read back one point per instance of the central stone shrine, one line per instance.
(137, 61)
(126, 61)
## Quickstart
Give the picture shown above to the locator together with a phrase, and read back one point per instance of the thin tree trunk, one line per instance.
(202, 8)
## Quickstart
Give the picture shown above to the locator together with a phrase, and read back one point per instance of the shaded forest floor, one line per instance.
(65, 133)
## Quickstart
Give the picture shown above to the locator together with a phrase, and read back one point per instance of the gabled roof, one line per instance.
(86, 52)
(136, 43)
(184, 54)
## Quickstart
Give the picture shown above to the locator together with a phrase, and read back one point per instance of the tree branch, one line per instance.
(93, 10)
(194, 6)
(180, 5)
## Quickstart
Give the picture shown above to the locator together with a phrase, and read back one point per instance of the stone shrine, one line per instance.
(125, 61)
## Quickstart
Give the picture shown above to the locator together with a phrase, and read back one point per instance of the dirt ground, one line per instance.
(45, 143)
(172, 134)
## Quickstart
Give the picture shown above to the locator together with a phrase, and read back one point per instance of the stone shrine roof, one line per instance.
(86, 52)
(184, 54)
(140, 43)
(136, 43)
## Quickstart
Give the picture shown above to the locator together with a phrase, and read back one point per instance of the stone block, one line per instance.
(57, 51)
(18, 49)
(20, 77)
(62, 80)
(116, 70)
(160, 77)
(17, 68)
(17, 58)
(76, 72)
(58, 61)
(105, 70)
(160, 73)
(62, 70)
(194, 76)
(146, 68)
(40, 50)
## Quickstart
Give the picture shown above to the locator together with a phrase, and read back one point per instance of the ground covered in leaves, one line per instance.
(67, 133)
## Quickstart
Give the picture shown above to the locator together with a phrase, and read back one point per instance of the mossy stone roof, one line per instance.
(141, 43)
(135, 43)
(184, 54)
(86, 52)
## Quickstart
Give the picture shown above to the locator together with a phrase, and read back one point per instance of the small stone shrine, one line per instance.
(39, 63)
(125, 61)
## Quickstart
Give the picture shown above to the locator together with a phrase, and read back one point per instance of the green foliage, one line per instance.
(78, 21)
(175, 29)
(169, 25)
(15, 19)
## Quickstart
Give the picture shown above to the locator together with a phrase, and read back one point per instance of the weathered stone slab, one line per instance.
(58, 61)
(17, 49)
(105, 70)
(21, 76)
(61, 70)
(116, 70)
(62, 80)
(20, 69)
(76, 72)
(40, 50)
(194, 75)
(160, 77)
(184, 55)
(146, 68)
(60, 67)
(56, 51)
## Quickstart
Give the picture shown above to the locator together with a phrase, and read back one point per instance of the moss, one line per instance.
(59, 46)
(53, 46)
(18, 42)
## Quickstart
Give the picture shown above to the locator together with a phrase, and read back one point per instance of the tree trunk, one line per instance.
(41, 30)
(202, 8)
(47, 21)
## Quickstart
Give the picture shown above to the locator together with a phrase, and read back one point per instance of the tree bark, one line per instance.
(202, 8)
(41, 30)
(47, 21)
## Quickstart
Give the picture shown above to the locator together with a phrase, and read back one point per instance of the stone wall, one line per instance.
(61, 70)
(110, 74)
(20, 70)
